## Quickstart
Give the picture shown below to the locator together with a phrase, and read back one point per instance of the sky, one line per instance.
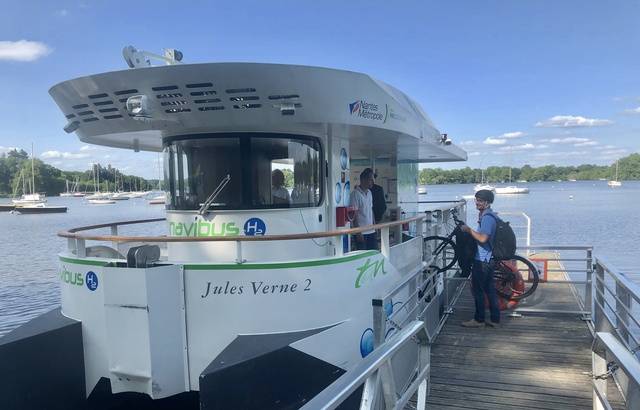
(513, 82)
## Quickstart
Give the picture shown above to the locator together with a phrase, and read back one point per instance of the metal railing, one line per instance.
(526, 227)
(579, 288)
(421, 297)
(616, 318)
(376, 373)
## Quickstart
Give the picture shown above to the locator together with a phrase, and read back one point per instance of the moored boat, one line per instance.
(249, 290)
(511, 190)
(39, 209)
(101, 201)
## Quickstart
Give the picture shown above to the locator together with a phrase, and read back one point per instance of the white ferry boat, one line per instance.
(248, 302)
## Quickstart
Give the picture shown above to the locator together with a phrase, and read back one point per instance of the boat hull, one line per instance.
(6, 207)
(243, 335)
(41, 209)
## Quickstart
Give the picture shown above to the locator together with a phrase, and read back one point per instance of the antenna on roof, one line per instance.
(140, 58)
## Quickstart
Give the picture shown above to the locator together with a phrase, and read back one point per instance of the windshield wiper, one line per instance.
(214, 194)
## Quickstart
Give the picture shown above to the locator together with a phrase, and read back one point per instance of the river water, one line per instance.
(562, 213)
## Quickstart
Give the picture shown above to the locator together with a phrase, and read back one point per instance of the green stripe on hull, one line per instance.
(245, 266)
(82, 261)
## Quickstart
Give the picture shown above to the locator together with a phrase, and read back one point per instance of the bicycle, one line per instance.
(516, 278)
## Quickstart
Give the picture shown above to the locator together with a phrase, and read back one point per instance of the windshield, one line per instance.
(266, 170)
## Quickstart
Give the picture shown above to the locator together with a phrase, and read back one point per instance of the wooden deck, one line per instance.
(537, 361)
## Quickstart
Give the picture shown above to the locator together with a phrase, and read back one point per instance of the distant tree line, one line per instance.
(15, 173)
(628, 169)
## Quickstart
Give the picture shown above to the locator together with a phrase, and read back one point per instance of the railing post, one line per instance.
(239, 252)
(420, 227)
(598, 314)
(379, 322)
(588, 287)
(528, 233)
(81, 249)
(385, 246)
(623, 301)
(429, 223)
(71, 245)
(598, 366)
(338, 245)
(114, 232)
(424, 352)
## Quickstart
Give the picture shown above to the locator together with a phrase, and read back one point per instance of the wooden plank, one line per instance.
(555, 400)
(529, 377)
(584, 393)
(552, 373)
(515, 400)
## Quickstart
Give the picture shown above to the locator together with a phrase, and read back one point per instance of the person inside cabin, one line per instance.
(379, 202)
(482, 281)
(279, 194)
(361, 199)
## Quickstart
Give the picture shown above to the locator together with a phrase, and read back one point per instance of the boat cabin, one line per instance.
(283, 144)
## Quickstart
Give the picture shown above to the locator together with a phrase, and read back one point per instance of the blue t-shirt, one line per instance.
(486, 226)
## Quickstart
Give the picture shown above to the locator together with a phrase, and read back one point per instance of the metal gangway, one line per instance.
(573, 344)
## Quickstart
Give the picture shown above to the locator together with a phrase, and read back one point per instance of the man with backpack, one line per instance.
(482, 281)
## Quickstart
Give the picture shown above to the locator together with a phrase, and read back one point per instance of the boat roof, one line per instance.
(186, 99)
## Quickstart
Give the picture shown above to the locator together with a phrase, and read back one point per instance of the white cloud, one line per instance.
(567, 140)
(586, 144)
(568, 121)
(609, 147)
(633, 110)
(65, 155)
(523, 147)
(515, 134)
(23, 50)
(467, 143)
(560, 154)
(495, 141)
(62, 13)
(90, 148)
(473, 154)
(618, 151)
(502, 139)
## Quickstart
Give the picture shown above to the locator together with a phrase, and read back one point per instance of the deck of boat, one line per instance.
(538, 360)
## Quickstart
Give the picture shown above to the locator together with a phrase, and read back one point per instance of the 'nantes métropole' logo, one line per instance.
(369, 111)
(369, 270)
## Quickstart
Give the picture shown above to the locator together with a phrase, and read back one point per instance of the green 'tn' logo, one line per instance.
(369, 270)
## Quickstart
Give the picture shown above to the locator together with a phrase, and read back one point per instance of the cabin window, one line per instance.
(267, 171)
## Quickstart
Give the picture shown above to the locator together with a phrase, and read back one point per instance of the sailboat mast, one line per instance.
(33, 175)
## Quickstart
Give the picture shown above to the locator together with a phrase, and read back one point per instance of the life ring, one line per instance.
(517, 286)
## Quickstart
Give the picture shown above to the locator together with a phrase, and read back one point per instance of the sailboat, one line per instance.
(483, 185)
(67, 192)
(34, 203)
(34, 197)
(511, 189)
(615, 183)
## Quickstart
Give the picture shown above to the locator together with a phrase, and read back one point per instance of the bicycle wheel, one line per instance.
(444, 251)
(516, 278)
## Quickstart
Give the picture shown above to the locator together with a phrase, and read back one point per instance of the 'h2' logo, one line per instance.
(91, 279)
(255, 226)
